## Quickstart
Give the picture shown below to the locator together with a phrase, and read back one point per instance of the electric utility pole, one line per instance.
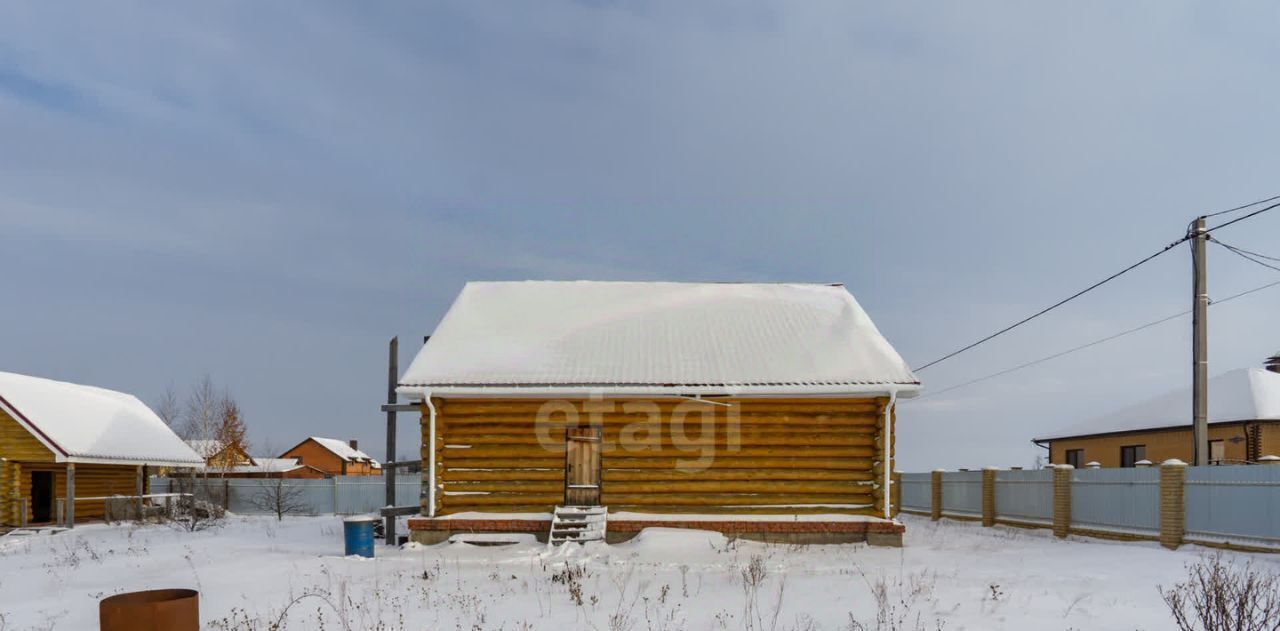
(1200, 346)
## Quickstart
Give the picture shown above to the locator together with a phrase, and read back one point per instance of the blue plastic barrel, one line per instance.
(358, 533)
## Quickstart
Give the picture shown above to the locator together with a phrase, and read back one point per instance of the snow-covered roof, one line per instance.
(264, 465)
(1244, 394)
(92, 425)
(343, 450)
(639, 337)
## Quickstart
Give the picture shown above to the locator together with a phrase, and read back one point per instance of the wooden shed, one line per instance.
(717, 405)
(60, 440)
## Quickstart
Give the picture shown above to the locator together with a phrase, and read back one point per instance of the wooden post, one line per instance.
(139, 490)
(69, 505)
(389, 469)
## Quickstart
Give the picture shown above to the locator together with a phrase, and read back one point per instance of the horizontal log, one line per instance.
(505, 463)
(546, 451)
(454, 509)
(665, 439)
(730, 499)
(499, 429)
(642, 475)
(507, 486)
(559, 420)
(797, 487)
(465, 475)
(499, 499)
(520, 407)
(782, 512)
(860, 464)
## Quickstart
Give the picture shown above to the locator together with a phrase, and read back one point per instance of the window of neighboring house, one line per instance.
(299, 459)
(1130, 454)
(1217, 451)
(1075, 457)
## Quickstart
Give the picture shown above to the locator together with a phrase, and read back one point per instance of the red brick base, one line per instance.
(426, 530)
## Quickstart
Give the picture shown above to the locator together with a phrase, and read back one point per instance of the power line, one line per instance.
(1249, 252)
(1108, 279)
(1093, 343)
(1231, 210)
(1249, 256)
(1242, 217)
(1056, 304)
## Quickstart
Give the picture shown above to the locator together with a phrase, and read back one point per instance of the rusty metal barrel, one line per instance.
(152, 610)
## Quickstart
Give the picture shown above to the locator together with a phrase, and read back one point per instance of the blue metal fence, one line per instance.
(1025, 496)
(962, 493)
(342, 495)
(1119, 500)
(917, 492)
(1235, 504)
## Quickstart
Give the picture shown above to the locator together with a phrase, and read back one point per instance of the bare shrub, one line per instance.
(278, 497)
(197, 507)
(1222, 596)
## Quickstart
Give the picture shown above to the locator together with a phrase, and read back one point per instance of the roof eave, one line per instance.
(418, 392)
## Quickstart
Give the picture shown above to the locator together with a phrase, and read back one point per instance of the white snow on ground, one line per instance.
(950, 575)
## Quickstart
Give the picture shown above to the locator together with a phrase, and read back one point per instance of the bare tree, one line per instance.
(168, 408)
(199, 505)
(202, 411)
(277, 495)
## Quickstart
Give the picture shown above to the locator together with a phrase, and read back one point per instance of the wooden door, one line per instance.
(41, 497)
(582, 466)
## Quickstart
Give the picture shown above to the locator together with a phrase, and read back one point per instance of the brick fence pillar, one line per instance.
(1173, 473)
(935, 504)
(989, 496)
(1062, 475)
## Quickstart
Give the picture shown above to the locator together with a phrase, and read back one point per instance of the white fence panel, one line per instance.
(962, 493)
(1025, 496)
(1120, 500)
(1234, 504)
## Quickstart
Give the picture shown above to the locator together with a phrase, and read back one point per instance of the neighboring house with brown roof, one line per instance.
(334, 456)
(1244, 425)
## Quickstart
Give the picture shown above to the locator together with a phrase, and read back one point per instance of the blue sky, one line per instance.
(266, 193)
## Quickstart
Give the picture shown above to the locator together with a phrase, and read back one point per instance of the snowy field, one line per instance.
(950, 576)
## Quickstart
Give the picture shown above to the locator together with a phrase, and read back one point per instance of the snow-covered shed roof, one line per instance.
(343, 450)
(654, 337)
(264, 465)
(1244, 394)
(92, 425)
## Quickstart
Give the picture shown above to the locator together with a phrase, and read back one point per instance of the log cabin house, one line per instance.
(218, 454)
(600, 408)
(1244, 425)
(334, 457)
(61, 440)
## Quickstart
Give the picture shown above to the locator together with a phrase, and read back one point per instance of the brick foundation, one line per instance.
(882, 533)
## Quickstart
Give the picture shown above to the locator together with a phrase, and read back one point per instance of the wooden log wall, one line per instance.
(92, 480)
(16, 445)
(772, 456)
